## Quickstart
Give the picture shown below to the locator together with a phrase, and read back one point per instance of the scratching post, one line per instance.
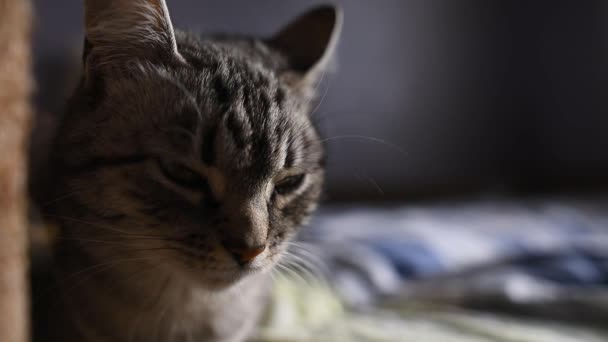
(14, 126)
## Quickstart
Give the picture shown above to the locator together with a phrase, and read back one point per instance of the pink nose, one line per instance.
(243, 254)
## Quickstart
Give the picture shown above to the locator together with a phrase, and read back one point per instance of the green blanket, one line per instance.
(309, 312)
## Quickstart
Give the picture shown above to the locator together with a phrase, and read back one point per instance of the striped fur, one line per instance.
(164, 155)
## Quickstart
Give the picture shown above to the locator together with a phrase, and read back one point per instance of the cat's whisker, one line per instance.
(159, 324)
(273, 275)
(101, 226)
(85, 274)
(134, 326)
(297, 256)
(322, 98)
(319, 82)
(300, 253)
(308, 101)
(291, 273)
(370, 139)
(301, 270)
(312, 250)
(90, 224)
(125, 241)
(308, 277)
(150, 249)
(370, 180)
(119, 260)
(307, 268)
(278, 274)
(62, 197)
(165, 308)
(137, 322)
(298, 271)
(305, 253)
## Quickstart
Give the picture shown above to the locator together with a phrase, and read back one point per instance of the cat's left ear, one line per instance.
(309, 42)
(121, 30)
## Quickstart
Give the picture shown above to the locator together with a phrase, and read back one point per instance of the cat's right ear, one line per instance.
(310, 41)
(117, 31)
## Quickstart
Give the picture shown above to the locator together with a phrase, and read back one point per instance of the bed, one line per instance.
(482, 270)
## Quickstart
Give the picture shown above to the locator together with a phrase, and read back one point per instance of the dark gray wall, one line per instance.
(431, 96)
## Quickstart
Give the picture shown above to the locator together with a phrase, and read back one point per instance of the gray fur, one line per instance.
(146, 253)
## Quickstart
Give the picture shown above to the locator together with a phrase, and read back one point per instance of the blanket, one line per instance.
(532, 270)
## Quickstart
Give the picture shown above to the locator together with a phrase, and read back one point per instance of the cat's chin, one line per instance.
(216, 281)
(222, 274)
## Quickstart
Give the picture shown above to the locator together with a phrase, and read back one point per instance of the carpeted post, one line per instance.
(15, 85)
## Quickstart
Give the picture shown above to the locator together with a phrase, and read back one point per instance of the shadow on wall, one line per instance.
(431, 97)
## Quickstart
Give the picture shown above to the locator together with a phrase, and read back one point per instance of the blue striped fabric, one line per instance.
(373, 252)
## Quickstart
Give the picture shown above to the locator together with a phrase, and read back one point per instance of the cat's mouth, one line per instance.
(217, 280)
(222, 270)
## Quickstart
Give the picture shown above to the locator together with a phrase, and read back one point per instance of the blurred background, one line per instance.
(468, 162)
(429, 97)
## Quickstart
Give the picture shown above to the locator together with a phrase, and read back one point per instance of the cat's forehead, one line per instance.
(235, 110)
(233, 76)
(245, 118)
(251, 122)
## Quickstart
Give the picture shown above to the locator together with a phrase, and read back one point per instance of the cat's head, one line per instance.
(194, 154)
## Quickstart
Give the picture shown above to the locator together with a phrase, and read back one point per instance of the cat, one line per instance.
(182, 168)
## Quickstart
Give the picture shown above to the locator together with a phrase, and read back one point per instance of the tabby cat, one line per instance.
(182, 168)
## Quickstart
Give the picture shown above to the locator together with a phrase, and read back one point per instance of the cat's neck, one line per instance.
(141, 303)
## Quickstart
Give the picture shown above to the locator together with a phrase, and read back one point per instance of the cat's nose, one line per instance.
(243, 253)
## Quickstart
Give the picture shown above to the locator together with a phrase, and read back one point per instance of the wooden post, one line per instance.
(15, 85)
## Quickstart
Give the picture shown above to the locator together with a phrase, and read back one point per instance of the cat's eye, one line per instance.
(289, 184)
(181, 174)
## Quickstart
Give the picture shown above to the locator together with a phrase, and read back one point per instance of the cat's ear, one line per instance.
(310, 41)
(119, 30)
